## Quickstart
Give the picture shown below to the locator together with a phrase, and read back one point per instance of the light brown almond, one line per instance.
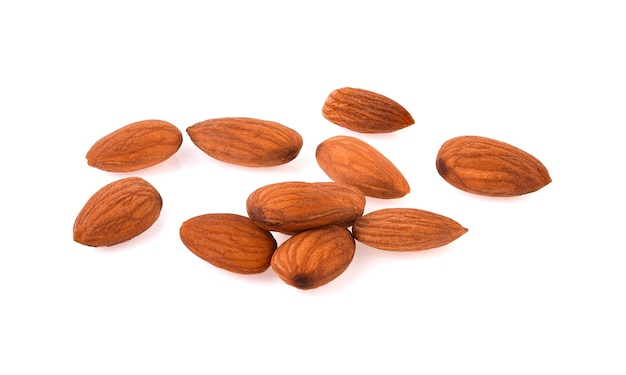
(489, 167)
(354, 162)
(406, 229)
(135, 146)
(118, 212)
(246, 141)
(365, 111)
(291, 207)
(315, 257)
(229, 241)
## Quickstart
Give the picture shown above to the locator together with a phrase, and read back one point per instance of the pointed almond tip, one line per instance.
(407, 189)
(409, 120)
(548, 179)
(543, 180)
(412, 121)
(82, 239)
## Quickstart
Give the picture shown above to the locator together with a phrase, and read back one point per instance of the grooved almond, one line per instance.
(406, 229)
(315, 257)
(352, 161)
(365, 111)
(118, 212)
(135, 146)
(489, 167)
(229, 241)
(291, 207)
(246, 141)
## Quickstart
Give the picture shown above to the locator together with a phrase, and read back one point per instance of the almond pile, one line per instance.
(323, 220)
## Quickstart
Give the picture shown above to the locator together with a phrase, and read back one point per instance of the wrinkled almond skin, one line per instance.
(406, 229)
(365, 111)
(246, 141)
(229, 241)
(352, 161)
(489, 167)
(315, 257)
(292, 207)
(135, 146)
(118, 212)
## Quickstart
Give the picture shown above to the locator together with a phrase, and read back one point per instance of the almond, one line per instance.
(118, 212)
(229, 241)
(406, 229)
(365, 111)
(315, 257)
(352, 161)
(489, 167)
(291, 207)
(135, 146)
(246, 141)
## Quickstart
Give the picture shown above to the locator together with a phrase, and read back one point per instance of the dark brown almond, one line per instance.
(229, 241)
(246, 141)
(315, 257)
(489, 167)
(118, 212)
(406, 229)
(365, 111)
(291, 207)
(354, 162)
(135, 146)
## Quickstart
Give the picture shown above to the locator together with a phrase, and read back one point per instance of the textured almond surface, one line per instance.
(246, 141)
(489, 167)
(229, 241)
(315, 257)
(352, 161)
(365, 111)
(118, 212)
(291, 207)
(135, 146)
(406, 229)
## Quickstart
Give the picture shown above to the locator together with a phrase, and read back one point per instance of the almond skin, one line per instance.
(352, 161)
(489, 167)
(229, 241)
(406, 229)
(118, 212)
(365, 111)
(246, 141)
(315, 257)
(135, 146)
(292, 207)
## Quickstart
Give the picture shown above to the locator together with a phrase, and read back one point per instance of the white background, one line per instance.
(537, 285)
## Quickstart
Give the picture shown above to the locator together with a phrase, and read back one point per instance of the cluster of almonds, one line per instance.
(316, 215)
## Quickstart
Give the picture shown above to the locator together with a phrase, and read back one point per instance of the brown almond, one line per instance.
(246, 141)
(229, 241)
(291, 207)
(365, 111)
(135, 146)
(354, 162)
(489, 167)
(118, 212)
(406, 229)
(315, 257)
